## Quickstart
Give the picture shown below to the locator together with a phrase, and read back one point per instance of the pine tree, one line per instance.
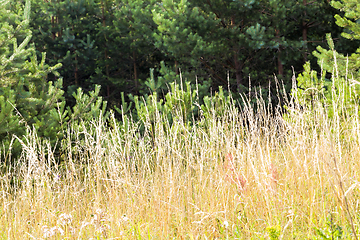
(65, 30)
(333, 88)
(333, 61)
(28, 99)
(244, 38)
(207, 36)
(115, 43)
(134, 30)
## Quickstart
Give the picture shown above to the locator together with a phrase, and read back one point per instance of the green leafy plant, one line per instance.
(332, 231)
(274, 232)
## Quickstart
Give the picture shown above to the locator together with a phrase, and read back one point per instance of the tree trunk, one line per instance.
(53, 34)
(76, 71)
(279, 62)
(177, 68)
(304, 32)
(105, 52)
(280, 65)
(238, 65)
(238, 72)
(135, 73)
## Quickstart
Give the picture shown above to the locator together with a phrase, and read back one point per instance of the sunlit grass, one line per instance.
(247, 174)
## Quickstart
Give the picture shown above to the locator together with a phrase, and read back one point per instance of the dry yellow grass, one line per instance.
(245, 175)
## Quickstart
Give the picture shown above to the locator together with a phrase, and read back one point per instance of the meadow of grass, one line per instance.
(248, 174)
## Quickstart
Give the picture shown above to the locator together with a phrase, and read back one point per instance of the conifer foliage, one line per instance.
(27, 98)
(351, 24)
(344, 70)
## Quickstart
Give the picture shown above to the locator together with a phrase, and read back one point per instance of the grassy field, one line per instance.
(247, 174)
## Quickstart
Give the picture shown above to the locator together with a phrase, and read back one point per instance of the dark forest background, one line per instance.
(116, 43)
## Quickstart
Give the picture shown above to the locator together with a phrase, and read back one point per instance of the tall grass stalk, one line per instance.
(247, 174)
